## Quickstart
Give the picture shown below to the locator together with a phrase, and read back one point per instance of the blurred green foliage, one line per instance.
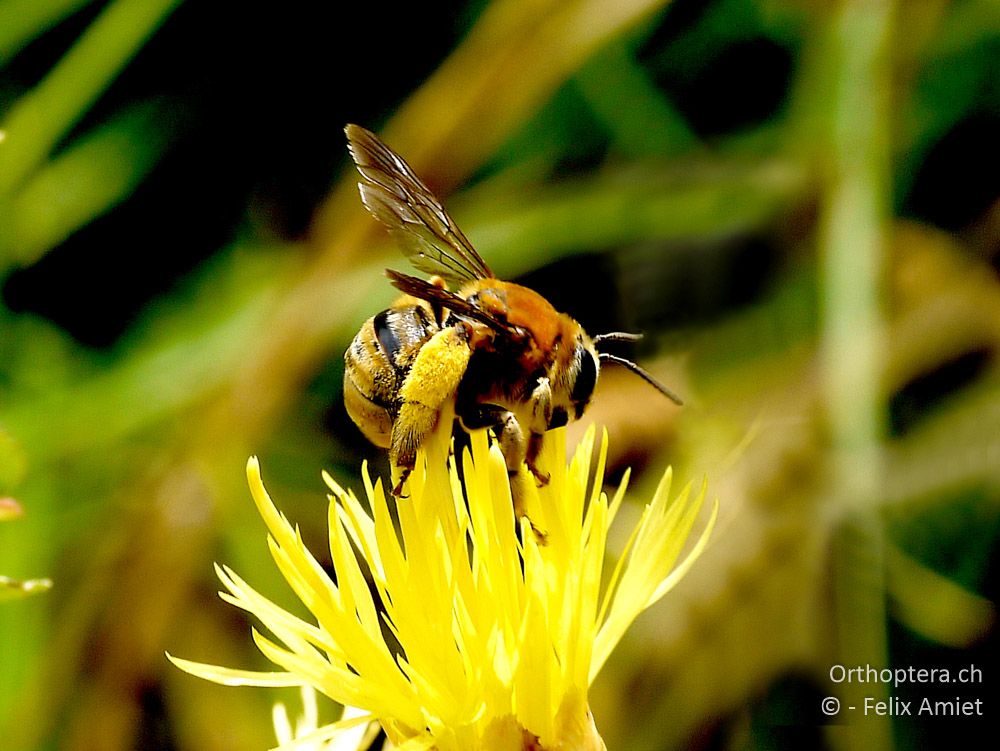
(797, 201)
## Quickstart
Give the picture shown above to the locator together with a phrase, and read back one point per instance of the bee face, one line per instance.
(573, 379)
(499, 352)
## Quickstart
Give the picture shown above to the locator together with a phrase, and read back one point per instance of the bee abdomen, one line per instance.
(377, 362)
(388, 341)
(400, 333)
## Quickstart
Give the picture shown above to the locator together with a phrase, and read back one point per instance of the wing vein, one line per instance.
(394, 195)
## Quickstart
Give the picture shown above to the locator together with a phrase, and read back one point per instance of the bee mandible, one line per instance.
(497, 353)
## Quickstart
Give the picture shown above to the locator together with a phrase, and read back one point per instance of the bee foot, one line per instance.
(541, 478)
(398, 489)
(541, 536)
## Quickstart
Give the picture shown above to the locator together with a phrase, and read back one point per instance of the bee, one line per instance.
(495, 354)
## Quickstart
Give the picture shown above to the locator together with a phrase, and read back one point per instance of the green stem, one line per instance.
(852, 241)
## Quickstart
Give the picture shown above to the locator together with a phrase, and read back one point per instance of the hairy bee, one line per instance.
(495, 351)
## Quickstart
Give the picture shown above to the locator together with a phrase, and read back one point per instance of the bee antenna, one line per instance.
(642, 374)
(616, 336)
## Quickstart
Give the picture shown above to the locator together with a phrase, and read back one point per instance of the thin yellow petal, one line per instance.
(233, 677)
(329, 734)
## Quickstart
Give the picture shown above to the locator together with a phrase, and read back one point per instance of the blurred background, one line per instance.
(797, 201)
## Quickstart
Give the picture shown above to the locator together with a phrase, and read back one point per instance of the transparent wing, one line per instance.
(396, 197)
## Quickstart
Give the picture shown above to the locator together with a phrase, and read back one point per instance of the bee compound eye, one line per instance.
(559, 418)
(586, 379)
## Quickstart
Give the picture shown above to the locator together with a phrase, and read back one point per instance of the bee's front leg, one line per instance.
(531, 458)
(541, 417)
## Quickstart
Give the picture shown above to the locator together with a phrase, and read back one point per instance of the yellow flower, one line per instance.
(477, 637)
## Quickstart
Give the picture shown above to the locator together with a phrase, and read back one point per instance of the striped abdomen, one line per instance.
(376, 365)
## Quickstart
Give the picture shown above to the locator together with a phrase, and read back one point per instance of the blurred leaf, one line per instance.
(90, 177)
(11, 589)
(13, 464)
(958, 78)
(192, 350)
(967, 24)
(21, 21)
(512, 61)
(740, 348)
(723, 23)
(564, 128)
(9, 509)
(935, 606)
(639, 117)
(37, 357)
(532, 227)
(43, 116)
(952, 450)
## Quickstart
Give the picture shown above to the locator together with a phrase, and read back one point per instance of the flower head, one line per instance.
(480, 633)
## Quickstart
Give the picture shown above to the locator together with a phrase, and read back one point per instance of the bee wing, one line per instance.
(433, 294)
(396, 197)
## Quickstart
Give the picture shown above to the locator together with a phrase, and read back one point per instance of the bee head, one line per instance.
(575, 383)
(579, 374)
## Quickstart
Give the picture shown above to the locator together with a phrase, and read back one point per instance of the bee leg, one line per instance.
(511, 439)
(413, 425)
(513, 446)
(531, 459)
(476, 416)
(397, 489)
(432, 380)
(541, 417)
(507, 429)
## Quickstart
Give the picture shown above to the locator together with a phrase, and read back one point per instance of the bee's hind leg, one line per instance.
(431, 382)
(404, 475)
(403, 453)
